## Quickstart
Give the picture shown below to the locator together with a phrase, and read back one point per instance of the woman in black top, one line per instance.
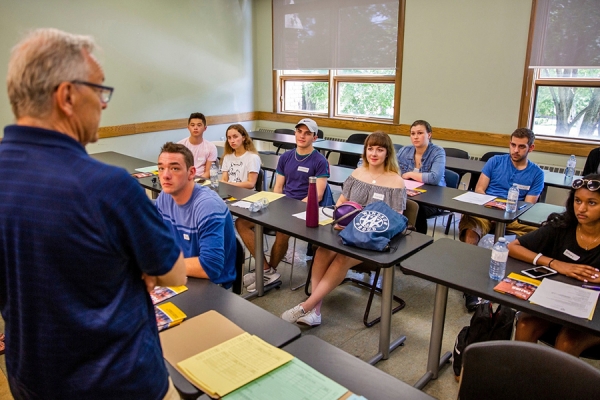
(569, 243)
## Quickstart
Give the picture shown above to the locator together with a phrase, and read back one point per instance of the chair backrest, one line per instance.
(485, 157)
(320, 134)
(281, 145)
(520, 370)
(350, 160)
(411, 211)
(457, 153)
(260, 181)
(397, 147)
(452, 178)
(240, 258)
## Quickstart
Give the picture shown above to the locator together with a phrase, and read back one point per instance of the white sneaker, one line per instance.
(310, 319)
(250, 278)
(270, 277)
(293, 314)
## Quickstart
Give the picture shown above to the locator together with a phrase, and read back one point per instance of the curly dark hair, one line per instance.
(567, 219)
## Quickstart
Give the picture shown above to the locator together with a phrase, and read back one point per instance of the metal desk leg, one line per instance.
(385, 328)
(499, 232)
(434, 363)
(259, 259)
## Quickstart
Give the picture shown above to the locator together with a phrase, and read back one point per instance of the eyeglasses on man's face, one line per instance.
(104, 91)
(591, 184)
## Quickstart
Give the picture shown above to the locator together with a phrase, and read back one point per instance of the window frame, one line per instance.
(532, 81)
(279, 80)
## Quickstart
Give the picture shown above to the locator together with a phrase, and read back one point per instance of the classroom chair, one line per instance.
(452, 181)
(503, 369)
(351, 160)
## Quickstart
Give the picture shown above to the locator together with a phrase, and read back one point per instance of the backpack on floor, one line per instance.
(485, 325)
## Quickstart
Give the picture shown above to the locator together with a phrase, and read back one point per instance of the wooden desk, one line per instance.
(443, 197)
(465, 267)
(121, 160)
(203, 295)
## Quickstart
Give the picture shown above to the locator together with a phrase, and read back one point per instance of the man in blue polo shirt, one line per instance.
(197, 217)
(81, 242)
(498, 175)
(293, 170)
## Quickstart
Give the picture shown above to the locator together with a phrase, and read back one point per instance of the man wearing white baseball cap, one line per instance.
(293, 170)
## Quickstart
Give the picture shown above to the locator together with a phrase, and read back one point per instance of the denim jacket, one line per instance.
(433, 163)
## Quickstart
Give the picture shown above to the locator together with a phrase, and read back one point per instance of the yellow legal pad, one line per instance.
(232, 364)
(264, 194)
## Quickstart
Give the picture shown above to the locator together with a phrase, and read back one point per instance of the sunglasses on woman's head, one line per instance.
(591, 184)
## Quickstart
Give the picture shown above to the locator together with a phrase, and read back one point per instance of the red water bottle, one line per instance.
(312, 204)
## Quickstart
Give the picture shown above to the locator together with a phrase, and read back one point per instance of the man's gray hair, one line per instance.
(39, 63)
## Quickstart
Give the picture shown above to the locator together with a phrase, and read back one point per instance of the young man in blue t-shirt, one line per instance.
(498, 175)
(293, 170)
(197, 217)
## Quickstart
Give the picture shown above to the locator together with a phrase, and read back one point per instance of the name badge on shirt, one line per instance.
(523, 187)
(571, 255)
(186, 236)
(303, 169)
(378, 196)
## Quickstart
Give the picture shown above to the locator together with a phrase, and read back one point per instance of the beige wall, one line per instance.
(165, 59)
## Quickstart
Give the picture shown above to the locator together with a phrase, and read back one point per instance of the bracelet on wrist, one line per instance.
(535, 260)
(550, 263)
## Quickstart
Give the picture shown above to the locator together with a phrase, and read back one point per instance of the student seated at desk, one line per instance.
(498, 175)
(423, 162)
(569, 243)
(197, 217)
(378, 179)
(204, 152)
(293, 170)
(240, 163)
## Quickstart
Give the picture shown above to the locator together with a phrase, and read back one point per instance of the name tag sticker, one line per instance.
(571, 255)
(378, 196)
(523, 187)
(186, 236)
(303, 169)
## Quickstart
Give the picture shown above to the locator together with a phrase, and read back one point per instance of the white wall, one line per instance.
(165, 59)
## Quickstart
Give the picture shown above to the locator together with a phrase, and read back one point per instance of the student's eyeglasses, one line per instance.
(591, 184)
(105, 91)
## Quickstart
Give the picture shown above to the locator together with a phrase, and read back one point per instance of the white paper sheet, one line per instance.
(474, 198)
(242, 204)
(570, 299)
(152, 168)
(323, 219)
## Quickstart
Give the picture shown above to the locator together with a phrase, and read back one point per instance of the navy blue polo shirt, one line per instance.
(76, 236)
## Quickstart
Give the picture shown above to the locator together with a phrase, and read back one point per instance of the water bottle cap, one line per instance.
(502, 239)
(312, 179)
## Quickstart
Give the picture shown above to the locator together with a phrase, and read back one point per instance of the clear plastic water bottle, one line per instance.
(570, 168)
(360, 163)
(512, 199)
(498, 261)
(258, 205)
(214, 175)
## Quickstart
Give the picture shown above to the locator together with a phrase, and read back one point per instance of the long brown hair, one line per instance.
(248, 144)
(382, 139)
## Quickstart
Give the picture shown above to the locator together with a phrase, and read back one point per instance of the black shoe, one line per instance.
(471, 302)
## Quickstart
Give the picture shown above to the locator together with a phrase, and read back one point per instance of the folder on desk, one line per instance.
(196, 335)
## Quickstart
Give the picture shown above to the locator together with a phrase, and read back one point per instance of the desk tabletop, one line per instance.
(464, 165)
(443, 197)
(354, 374)
(558, 180)
(465, 267)
(339, 147)
(278, 216)
(203, 295)
(538, 213)
(122, 160)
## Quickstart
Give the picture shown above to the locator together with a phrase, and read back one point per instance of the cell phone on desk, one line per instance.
(539, 272)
